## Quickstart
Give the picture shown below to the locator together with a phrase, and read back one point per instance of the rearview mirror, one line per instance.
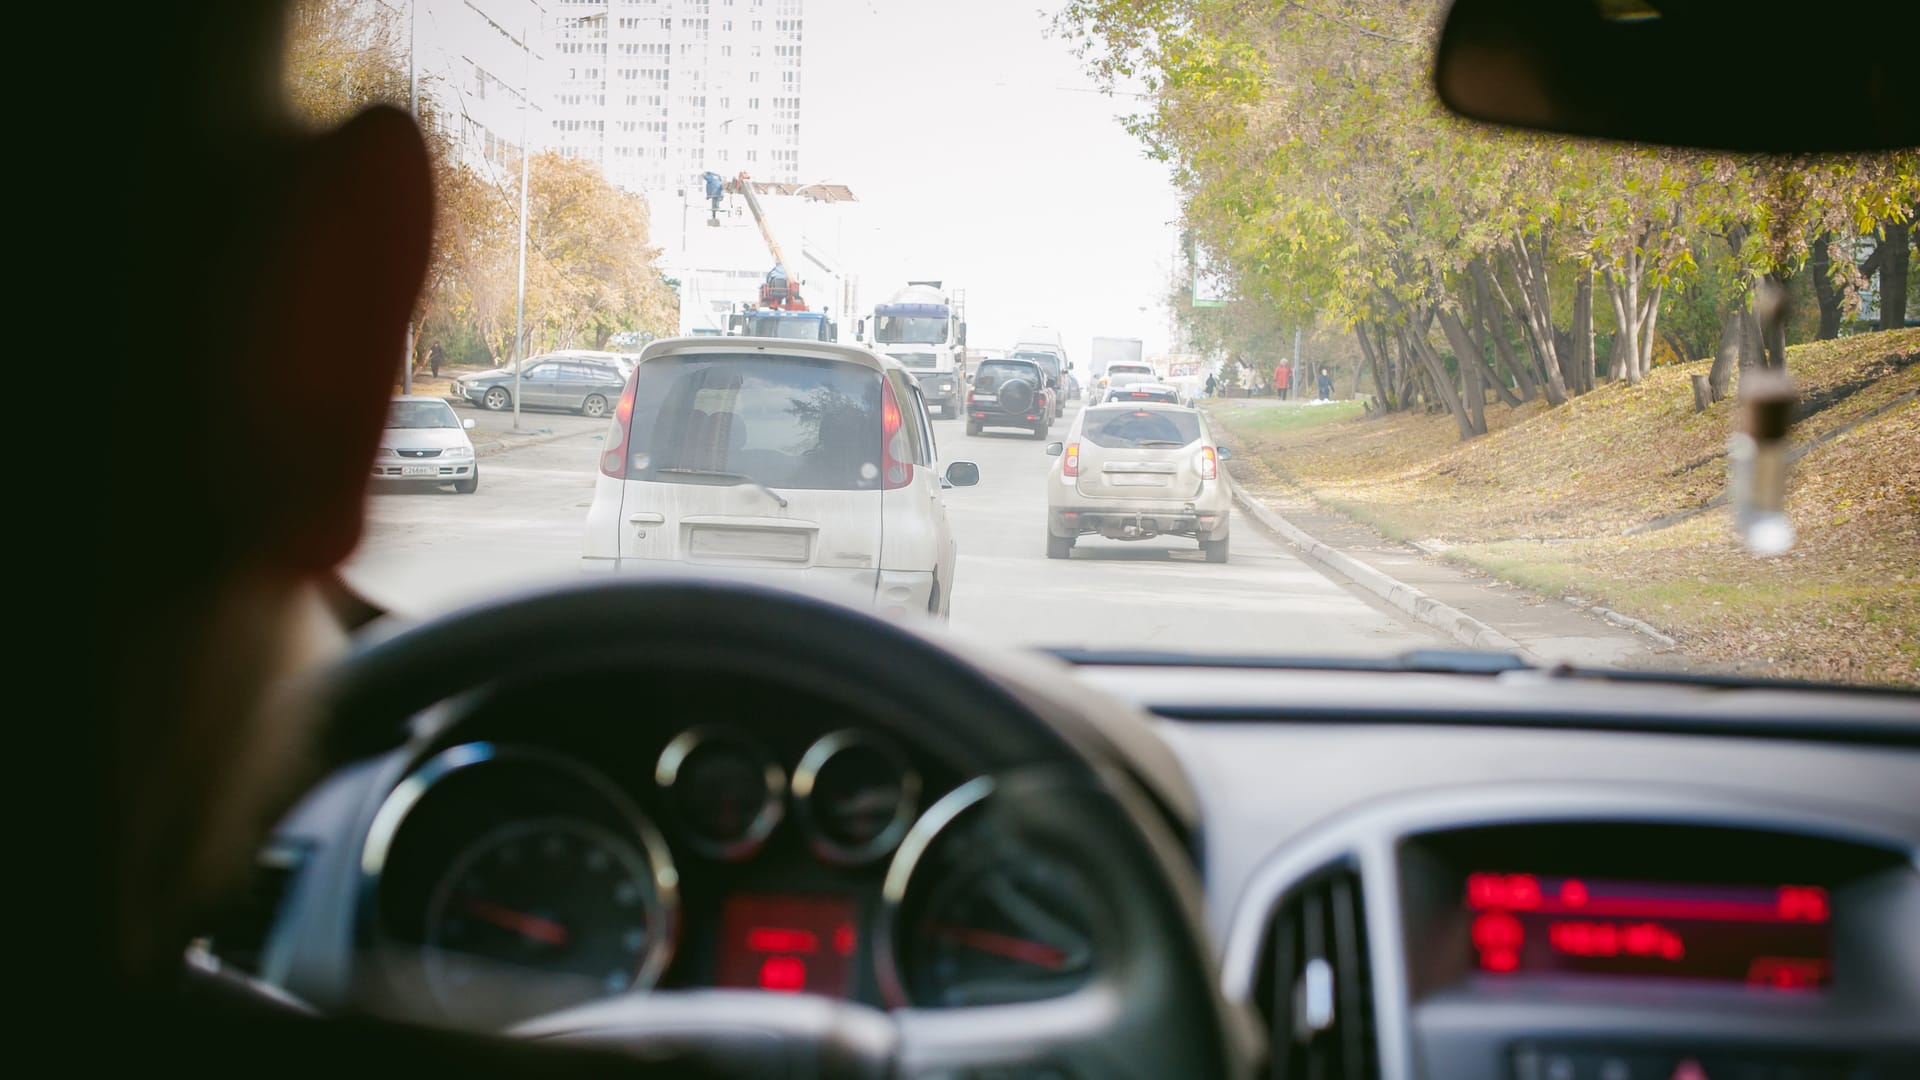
(962, 339)
(1562, 66)
(468, 423)
(962, 474)
(1055, 449)
(860, 330)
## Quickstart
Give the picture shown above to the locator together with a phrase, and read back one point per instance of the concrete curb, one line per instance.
(515, 442)
(1449, 620)
(1638, 626)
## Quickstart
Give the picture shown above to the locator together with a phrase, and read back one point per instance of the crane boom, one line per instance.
(782, 289)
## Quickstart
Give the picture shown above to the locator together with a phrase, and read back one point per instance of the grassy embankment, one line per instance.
(1564, 501)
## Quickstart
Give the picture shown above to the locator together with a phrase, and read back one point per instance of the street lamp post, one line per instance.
(520, 303)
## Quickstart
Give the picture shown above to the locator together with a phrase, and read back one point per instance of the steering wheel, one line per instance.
(1150, 1009)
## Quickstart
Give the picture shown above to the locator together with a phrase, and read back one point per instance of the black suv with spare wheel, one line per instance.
(1009, 393)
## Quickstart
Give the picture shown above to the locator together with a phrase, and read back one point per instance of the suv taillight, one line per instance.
(614, 461)
(1209, 463)
(1070, 461)
(896, 471)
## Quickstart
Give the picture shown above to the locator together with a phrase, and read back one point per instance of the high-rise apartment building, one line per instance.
(660, 91)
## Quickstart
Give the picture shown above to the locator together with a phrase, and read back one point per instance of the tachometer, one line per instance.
(538, 915)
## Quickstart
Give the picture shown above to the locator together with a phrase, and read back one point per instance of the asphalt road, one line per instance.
(427, 549)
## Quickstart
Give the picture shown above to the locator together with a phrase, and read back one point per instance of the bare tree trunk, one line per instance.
(1472, 370)
(1383, 389)
(1582, 360)
(1739, 337)
(1491, 323)
(1437, 379)
(1649, 319)
(1530, 273)
(1475, 331)
(1894, 265)
(1820, 265)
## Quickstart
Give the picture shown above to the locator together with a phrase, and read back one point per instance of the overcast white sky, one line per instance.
(984, 159)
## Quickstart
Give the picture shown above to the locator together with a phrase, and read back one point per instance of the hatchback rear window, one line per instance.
(993, 373)
(1135, 429)
(784, 421)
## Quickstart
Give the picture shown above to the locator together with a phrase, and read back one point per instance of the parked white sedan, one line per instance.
(1136, 472)
(807, 465)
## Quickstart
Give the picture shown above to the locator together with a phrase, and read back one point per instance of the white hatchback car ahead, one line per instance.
(805, 464)
(1136, 472)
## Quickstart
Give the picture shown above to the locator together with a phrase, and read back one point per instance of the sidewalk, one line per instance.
(1478, 611)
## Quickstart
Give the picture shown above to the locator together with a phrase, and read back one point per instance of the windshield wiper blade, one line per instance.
(1442, 661)
(737, 478)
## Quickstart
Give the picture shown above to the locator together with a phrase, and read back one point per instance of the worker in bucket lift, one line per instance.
(716, 187)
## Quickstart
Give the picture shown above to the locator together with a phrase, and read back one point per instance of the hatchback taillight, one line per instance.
(1209, 463)
(614, 461)
(896, 471)
(1070, 461)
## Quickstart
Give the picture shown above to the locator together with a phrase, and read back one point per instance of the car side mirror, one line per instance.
(1055, 449)
(468, 424)
(1223, 452)
(962, 474)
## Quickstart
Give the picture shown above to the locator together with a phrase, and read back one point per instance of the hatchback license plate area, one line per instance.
(781, 545)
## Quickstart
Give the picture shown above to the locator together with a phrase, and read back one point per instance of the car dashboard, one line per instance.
(1517, 874)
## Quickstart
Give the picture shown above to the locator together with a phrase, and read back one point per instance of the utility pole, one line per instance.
(413, 108)
(520, 304)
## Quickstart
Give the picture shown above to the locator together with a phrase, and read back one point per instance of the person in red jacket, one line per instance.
(1282, 379)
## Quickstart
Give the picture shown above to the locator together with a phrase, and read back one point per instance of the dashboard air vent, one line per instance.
(240, 940)
(1315, 989)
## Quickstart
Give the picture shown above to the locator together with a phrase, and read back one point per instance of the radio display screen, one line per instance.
(1770, 936)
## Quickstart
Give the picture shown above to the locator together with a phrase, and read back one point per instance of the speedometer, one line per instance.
(1005, 932)
(542, 914)
(978, 910)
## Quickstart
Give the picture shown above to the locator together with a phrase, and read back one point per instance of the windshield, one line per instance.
(1129, 428)
(1504, 369)
(909, 330)
(421, 414)
(792, 329)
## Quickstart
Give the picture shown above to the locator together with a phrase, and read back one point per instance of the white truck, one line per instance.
(924, 328)
(1110, 350)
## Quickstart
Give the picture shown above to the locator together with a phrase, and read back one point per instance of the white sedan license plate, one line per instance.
(419, 470)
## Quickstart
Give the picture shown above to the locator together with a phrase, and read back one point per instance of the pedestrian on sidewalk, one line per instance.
(1282, 378)
(1326, 384)
(434, 356)
(1210, 383)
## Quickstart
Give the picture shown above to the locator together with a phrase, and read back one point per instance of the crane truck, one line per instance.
(781, 311)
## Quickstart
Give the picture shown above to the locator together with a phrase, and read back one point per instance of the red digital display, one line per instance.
(1766, 936)
(788, 944)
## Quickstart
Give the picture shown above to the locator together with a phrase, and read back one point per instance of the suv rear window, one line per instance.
(1127, 428)
(994, 372)
(785, 421)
